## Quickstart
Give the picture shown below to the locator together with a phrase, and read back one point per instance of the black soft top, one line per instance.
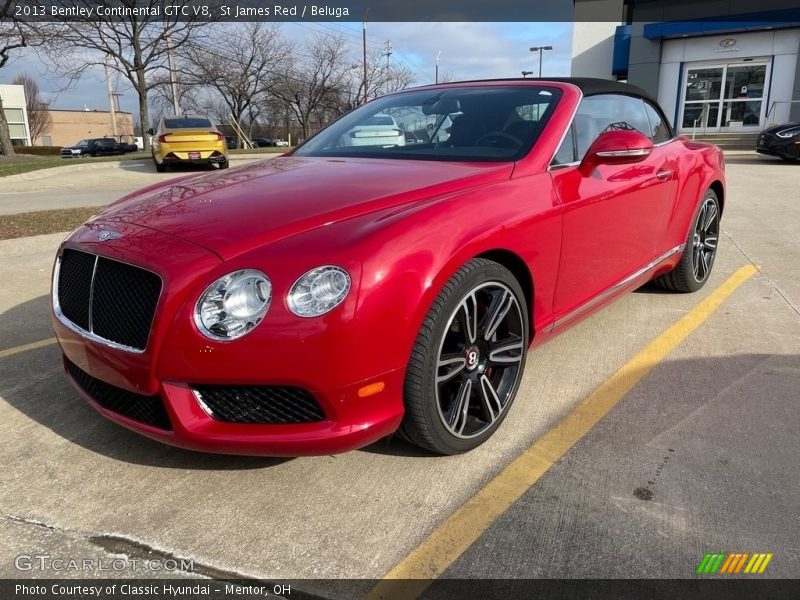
(590, 86)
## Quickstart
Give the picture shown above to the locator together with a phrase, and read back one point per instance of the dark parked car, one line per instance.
(781, 140)
(263, 143)
(230, 140)
(97, 147)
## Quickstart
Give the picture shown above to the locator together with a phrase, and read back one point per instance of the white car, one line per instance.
(281, 143)
(378, 130)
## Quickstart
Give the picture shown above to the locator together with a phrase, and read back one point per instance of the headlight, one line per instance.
(318, 291)
(233, 305)
(789, 133)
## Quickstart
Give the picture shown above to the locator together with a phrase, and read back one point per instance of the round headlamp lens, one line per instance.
(319, 291)
(233, 305)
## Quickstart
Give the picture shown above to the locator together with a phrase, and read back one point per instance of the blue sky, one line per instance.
(469, 51)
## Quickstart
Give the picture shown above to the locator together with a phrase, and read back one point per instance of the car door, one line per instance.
(613, 215)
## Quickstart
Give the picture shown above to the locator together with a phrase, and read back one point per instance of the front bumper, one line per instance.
(324, 357)
(351, 421)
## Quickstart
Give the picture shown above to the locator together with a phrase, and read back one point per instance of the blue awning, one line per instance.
(755, 21)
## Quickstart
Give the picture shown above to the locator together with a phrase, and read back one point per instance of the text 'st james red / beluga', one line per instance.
(387, 276)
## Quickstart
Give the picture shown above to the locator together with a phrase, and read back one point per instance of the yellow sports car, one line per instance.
(188, 139)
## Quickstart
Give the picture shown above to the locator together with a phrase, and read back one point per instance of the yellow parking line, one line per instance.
(25, 347)
(416, 572)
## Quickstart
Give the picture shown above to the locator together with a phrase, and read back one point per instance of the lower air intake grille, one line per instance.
(144, 409)
(260, 404)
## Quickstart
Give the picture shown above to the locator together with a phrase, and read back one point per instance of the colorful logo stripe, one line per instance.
(733, 563)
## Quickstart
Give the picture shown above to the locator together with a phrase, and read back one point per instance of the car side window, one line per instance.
(659, 130)
(606, 112)
(566, 152)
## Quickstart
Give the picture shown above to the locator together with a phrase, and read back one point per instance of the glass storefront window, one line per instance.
(704, 84)
(745, 82)
(724, 96)
(741, 114)
(705, 113)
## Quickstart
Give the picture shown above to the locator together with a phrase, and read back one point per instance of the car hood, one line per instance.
(237, 210)
(781, 127)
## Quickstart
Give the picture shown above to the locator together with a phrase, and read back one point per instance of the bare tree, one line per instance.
(39, 120)
(136, 46)
(161, 102)
(243, 72)
(314, 87)
(13, 36)
(381, 79)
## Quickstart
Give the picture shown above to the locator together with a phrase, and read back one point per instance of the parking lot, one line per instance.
(662, 428)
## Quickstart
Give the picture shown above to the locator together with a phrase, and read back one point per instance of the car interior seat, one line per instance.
(466, 129)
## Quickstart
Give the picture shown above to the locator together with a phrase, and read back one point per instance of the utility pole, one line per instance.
(540, 49)
(111, 106)
(364, 48)
(388, 53)
(438, 56)
(172, 74)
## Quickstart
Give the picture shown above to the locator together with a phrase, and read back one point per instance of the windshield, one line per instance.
(482, 123)
(187, 123)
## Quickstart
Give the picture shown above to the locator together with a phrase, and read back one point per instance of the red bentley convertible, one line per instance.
(319, 301)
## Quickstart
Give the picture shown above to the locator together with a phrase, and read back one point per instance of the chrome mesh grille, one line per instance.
(107, 298)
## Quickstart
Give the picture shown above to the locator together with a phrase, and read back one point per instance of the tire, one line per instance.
(160, 168)
(224, 165)
(697, 261)
(467, 361)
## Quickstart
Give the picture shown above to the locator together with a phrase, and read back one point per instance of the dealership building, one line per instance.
(13, 97)
(716, 67)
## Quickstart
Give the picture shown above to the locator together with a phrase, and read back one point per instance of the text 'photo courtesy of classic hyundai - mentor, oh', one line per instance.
(362, 285)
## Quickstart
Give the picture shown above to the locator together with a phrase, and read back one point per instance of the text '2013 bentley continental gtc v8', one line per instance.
(318, 301)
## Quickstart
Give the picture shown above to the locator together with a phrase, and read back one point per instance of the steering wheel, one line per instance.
(500, 135)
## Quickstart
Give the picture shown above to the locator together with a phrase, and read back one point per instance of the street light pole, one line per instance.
(364, 47)
(438, 56)
(540, 50)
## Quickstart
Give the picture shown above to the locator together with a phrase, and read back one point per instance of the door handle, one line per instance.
(664, 174)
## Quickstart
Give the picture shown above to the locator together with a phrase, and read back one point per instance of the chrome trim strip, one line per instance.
(199, 397)
(91, 293)
(550, 164)
(613, 290)
(624, 153)
(80, 330)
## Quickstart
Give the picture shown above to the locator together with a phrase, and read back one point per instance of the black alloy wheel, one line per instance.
(467, 361)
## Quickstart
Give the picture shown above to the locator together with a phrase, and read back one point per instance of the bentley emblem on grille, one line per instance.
(109, 235)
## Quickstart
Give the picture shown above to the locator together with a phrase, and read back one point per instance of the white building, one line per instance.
(13, 98)
(726, 73)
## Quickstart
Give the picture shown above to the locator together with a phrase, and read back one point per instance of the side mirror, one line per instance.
(617, 147)
(151, 131)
